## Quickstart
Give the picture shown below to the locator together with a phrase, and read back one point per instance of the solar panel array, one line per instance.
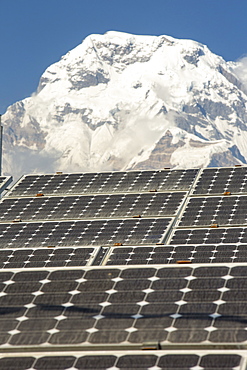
(123, 261)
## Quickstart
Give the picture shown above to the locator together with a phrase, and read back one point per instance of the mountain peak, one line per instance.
(120, 101)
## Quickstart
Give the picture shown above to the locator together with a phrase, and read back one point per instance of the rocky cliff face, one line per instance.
(119, 101)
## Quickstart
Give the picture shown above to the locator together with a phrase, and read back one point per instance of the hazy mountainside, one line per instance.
(119, 101)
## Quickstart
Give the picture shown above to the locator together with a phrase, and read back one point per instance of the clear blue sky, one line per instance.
(36, 33)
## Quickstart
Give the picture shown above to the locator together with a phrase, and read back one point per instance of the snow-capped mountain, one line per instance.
(119, 101)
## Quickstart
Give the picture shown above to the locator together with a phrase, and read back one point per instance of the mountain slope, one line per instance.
(119, 101)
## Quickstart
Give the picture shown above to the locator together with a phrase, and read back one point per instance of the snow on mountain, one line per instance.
(119, 101)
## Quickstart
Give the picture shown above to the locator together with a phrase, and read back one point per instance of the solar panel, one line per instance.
(98, 206)
(134, 255)
(83, 233)
(123, 305)
(161, 360)
(224, 210)
(108, 182)
(170, 254)
(220, 180)
(210, 236)
(46, 257)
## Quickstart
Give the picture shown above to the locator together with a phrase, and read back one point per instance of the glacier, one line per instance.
(122, 102)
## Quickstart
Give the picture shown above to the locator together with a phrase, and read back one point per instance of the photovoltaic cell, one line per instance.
(98, 206)
(116, 305)
(108, 182)
(166, 361)
(220, 180)
(83, 233)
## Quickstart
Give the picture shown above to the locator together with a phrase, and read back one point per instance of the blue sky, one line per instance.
(34, 33)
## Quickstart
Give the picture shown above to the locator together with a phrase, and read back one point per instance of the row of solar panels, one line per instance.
(84, 233)
(199, 211)
(115, 256)
(210, 181)
(105, 182)
(139, 231)
(206, 181)
(84, 207)
(111, 212)
(130, 360)
(123, 306)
